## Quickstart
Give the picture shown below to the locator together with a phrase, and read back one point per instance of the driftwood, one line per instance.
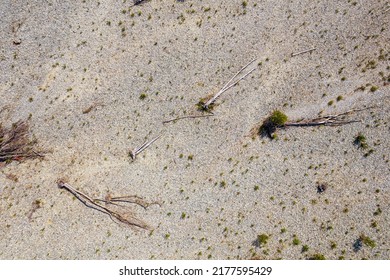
(126, 218)
(14, 143)
(136, 151)
(188, 117)
(329, 120)
(206, 106)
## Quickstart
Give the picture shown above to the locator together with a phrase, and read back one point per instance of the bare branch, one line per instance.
(126, 218)
(138, 150)
(302, 52)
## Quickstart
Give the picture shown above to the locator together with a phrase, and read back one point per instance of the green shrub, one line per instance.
(269, 126)
(318, 257)
(262, 239)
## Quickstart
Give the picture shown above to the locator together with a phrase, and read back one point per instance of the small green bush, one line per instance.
(269, 126)
(296, 241)
(360, 141)
(318, 257)
(262, 239)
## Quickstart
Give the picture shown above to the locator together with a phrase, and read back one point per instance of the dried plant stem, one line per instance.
(14, 143)
(138, 150)
(188, 117)
(229, 84)
(302, 52)
(114, 215)
(329, 120)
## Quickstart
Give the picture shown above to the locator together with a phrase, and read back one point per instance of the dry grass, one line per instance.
(15, 143)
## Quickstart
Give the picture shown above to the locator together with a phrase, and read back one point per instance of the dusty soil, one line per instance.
(95, 79)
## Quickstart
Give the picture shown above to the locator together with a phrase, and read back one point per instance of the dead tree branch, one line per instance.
(136, 151)
(278, 120)
(206, 106)
(329, 120)
(125, 218)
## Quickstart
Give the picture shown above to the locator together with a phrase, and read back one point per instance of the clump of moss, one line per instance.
(367, 241)
(276, 120)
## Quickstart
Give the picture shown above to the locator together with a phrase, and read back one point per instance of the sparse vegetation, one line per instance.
(360, 141)
(262, 239)
(269, 126)
(142, 96)
(318, 257)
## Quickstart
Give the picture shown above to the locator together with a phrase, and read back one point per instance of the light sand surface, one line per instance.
(219, 187)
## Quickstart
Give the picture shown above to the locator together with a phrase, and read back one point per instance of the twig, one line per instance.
(93, 203)
(138, 150)
(228, 85)
(318, 122)
(188, 117)
(302, 52)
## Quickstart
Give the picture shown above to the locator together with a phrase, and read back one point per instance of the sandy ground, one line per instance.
(219, 187)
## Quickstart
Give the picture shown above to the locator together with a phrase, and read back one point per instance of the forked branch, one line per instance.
(125, 218)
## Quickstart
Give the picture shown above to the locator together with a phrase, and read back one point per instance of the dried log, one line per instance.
(125, 218)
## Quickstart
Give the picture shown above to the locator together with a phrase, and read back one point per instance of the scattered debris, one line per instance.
(136, 151)
(126, 218)
(207, 106)
(14, 143)
(302, 52)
